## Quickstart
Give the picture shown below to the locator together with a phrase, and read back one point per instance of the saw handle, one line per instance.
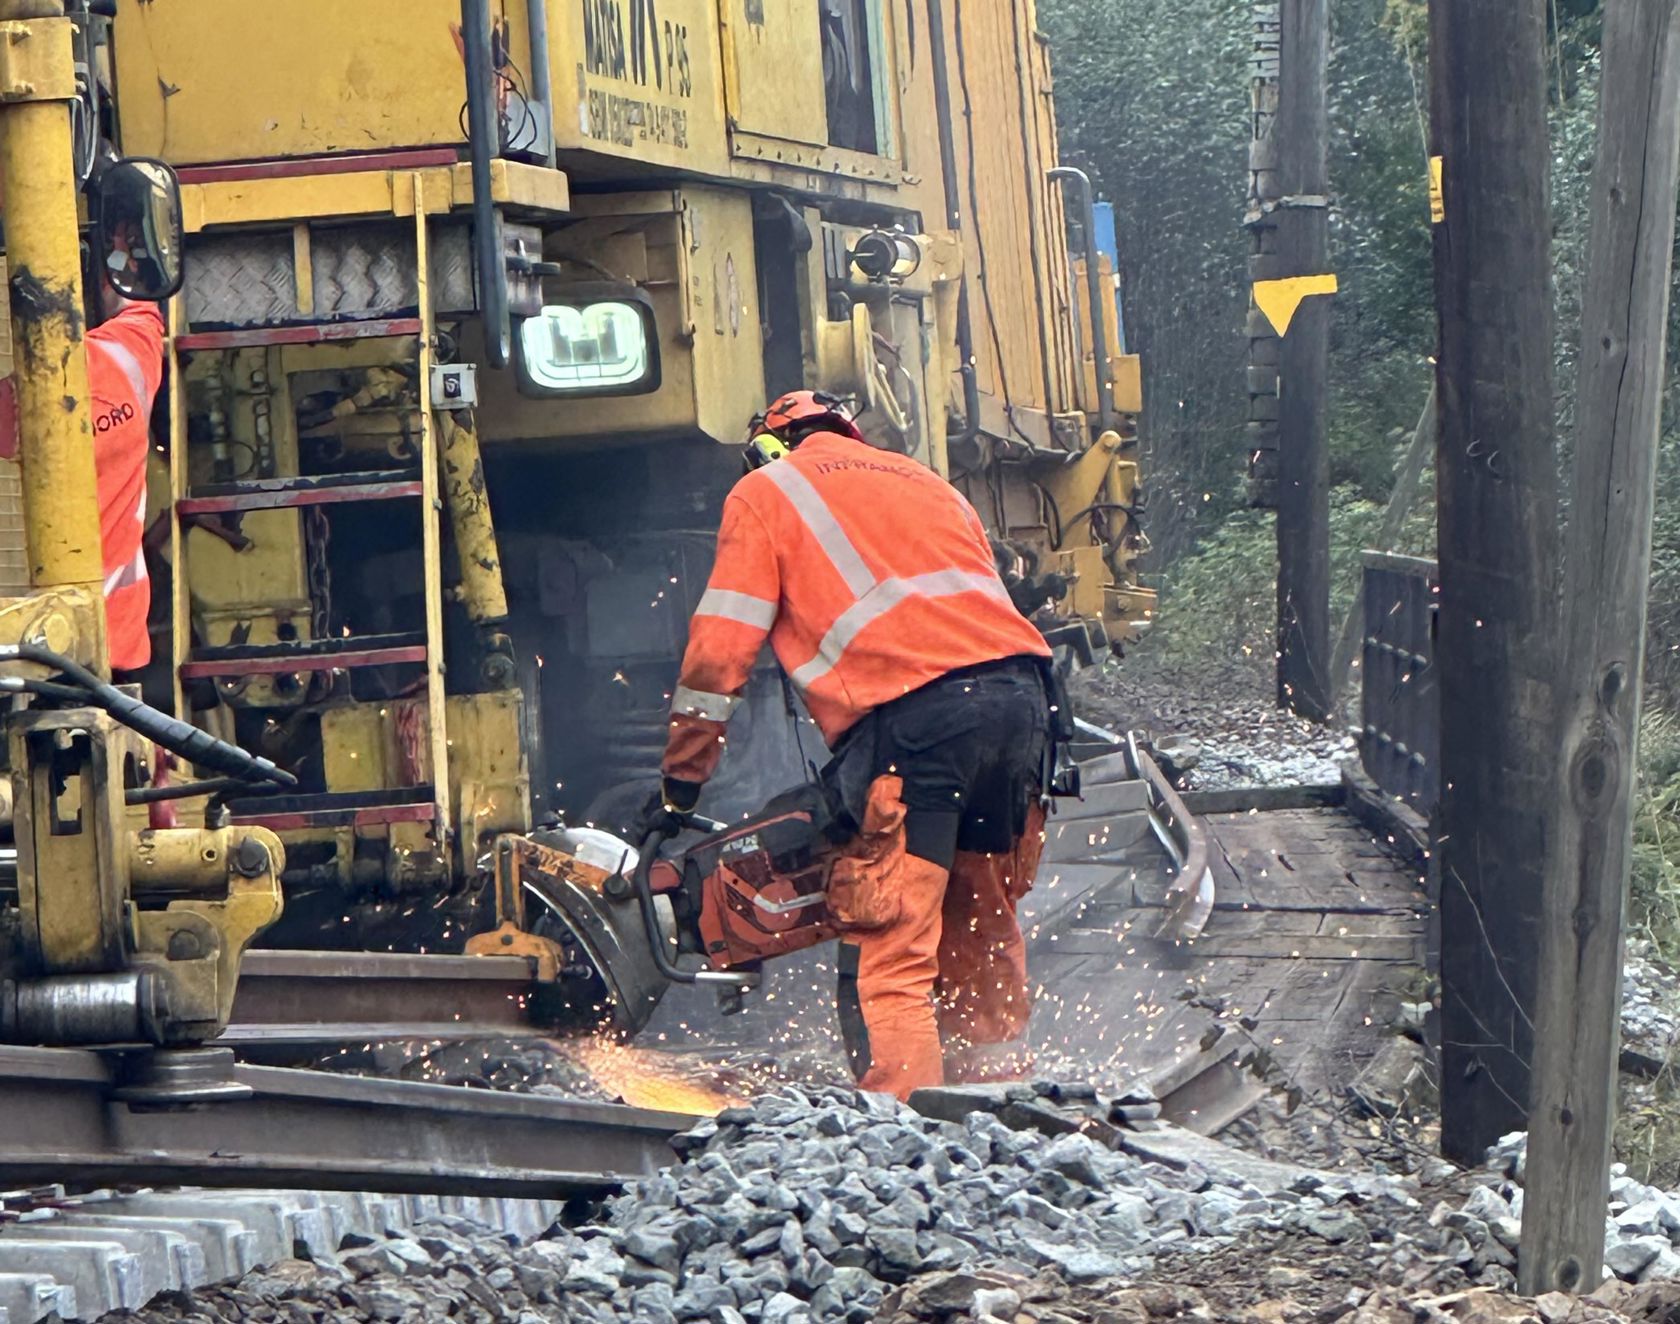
(641, 880)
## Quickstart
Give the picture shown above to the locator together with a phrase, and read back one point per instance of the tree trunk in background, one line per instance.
(1264, 190)
(1618, 413)
(1497, 541)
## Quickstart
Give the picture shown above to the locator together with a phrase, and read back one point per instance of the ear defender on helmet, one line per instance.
(763, 448)
(793, 417)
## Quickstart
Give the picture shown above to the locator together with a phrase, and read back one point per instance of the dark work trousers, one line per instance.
(970, 748)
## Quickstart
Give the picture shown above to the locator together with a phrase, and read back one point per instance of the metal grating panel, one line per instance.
(363, 272)
(14, 551)
(368, 270)
(1400, 725)
(241, 280)
(360, 271)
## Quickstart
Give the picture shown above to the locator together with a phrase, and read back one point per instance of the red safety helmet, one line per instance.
(792, 418)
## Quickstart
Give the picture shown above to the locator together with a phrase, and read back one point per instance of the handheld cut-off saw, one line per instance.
(610, 938)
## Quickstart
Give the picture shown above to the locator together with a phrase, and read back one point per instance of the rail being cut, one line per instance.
(67, 1123)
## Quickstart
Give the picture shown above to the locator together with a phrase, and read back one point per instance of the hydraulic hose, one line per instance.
(953, 213)
(151, 795)
(1101, 366)
(484, 133)
(170, 733)
(541, 79)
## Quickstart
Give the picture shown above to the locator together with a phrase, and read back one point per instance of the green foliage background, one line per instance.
(1153, 100)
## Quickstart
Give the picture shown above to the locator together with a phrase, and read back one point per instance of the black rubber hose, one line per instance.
(45, 688)
(484, 140)
(176, 736)
(541, 79)
(151, 795)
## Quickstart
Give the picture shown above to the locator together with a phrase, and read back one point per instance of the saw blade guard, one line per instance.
(571, 901)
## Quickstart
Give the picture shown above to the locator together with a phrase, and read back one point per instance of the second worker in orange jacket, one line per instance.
(875, 583)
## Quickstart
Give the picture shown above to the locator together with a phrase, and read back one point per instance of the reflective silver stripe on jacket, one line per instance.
(126, 576)
(130, 367)
(881, 599)
(742, 608)
(875, 598)
(819, 520)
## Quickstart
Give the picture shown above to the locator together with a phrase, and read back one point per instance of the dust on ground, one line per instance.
(1225, 713)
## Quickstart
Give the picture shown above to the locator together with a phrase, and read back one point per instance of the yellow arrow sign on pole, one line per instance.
(1279, 299)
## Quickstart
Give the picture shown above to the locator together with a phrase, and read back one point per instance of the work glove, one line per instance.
(663, 812)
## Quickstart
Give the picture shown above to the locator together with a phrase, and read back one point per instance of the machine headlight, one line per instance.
(596, 340)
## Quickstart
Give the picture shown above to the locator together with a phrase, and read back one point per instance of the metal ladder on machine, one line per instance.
(330, 810)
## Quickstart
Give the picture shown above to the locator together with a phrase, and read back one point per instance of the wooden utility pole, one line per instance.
(1618, 412)
(1289, 224)
(1261, 434)
(1497, 537)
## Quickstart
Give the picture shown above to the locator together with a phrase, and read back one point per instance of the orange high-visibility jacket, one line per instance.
(870, 574)
(125, 368)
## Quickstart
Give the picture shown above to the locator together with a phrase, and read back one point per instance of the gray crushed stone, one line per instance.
(823, 1205)
(1641, 1223)
(810, 1205)
(1224, 730)
(1650, 1005)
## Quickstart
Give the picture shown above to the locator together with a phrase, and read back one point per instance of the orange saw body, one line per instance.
(761, 887)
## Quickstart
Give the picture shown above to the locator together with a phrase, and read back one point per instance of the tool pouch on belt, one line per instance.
(1061, 773)
(864, 886)
(848, 777)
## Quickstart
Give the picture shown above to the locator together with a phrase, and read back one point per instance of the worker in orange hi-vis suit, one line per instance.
(125, 369)
(878, 590)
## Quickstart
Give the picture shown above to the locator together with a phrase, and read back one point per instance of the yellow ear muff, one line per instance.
(764, 448)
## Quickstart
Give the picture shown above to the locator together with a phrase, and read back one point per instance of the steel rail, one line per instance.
(64, 1124)
(1190, 899)
(349, 993)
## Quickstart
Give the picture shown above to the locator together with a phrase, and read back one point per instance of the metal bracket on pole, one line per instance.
(36, 60)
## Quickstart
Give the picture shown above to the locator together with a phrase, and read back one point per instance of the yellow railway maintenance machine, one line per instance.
(479, 295)
(110, 933)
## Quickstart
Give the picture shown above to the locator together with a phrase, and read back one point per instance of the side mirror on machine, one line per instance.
(593, 339)
(139, 208)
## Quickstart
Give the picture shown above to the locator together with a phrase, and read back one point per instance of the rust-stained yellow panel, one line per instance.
(367, 193)
(379, 745)
(489, 774)
(205, 81)
(315, 77)
(359, 749)
(1057, 299)
(1012, 216)
(763, 45)
(1128, 383)
(260, 585)
(1084, 565)
(636, 80)
(1124, 370)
